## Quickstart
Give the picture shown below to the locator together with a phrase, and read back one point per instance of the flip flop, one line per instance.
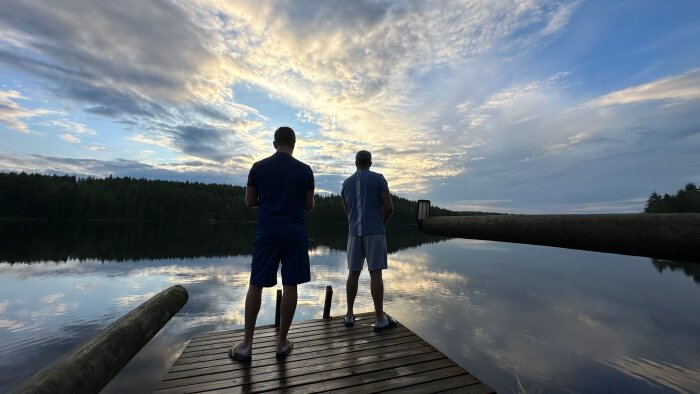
(290, 346)
(392, 324)
(349, 322)
(236, 356)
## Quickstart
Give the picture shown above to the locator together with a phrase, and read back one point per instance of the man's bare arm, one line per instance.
(251, 197)
(387, 206)
(310, 202)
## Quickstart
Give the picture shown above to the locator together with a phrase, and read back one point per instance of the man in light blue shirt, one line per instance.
(368, 206)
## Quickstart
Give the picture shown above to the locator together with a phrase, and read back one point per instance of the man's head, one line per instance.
(363, 159)
(285, 139)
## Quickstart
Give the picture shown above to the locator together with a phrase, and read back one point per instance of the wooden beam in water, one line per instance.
(671, 236)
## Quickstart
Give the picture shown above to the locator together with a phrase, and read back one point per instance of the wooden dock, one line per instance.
(327, 357)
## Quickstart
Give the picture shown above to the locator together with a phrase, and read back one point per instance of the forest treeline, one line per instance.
(685, 200)
(54, 197)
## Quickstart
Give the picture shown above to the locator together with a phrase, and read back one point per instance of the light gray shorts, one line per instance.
(370, 247)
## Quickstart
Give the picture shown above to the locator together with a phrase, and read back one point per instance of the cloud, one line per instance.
(114, 55)
(132, 300)
(96, 148)
(72, 127)
(11, 325)
(482, 205)
(351, 68)
(69, 138)
(571, 141)
(443, 94)
(12, 114)
(148, 64)
(515, 102)
(559, 19)
(201, 141)
(168, 69)
(161, 141)
(51, 298)
(543, 152)
(680, 87)
(684, 379)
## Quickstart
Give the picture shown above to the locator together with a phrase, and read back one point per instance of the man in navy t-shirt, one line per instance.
(282, 187)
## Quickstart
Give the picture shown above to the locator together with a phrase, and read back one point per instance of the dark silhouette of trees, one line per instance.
(686, 200)
(35, 196)
(690, 269)
(54, 197)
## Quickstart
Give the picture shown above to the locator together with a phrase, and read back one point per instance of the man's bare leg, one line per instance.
(287, 308)
(377, 287)
(252, 307)
(351, 288)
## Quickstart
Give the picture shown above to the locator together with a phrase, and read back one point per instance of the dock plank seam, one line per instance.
(328, 357)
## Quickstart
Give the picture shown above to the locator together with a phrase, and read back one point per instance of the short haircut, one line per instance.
(285, 136)
(363, 158)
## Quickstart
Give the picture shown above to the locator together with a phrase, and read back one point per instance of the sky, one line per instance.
(521, 106)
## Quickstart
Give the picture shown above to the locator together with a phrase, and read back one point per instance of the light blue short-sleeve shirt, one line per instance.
(362, 192)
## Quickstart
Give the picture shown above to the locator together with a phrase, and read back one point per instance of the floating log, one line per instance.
(89, 367)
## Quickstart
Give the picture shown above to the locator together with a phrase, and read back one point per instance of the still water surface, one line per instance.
(557, 320)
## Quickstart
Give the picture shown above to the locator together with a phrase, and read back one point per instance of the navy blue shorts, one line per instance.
(267, 255)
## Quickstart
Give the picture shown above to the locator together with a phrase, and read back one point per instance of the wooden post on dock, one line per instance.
(327, 304)
(277, 308)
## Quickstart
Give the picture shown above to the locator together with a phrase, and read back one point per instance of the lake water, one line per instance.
(557, 320)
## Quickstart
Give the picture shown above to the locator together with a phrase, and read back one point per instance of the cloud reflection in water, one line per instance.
(560, 320)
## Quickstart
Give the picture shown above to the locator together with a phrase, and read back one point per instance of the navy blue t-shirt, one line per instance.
(281, 182)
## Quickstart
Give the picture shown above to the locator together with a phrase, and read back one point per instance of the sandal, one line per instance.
(349, 321)
(392, 324)
(290, 346)
(237, 356)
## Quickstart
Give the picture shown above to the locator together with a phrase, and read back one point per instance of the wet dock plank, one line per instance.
(327, 357)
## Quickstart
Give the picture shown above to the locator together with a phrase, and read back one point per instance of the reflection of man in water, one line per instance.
(368, 205)
(282, 187)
